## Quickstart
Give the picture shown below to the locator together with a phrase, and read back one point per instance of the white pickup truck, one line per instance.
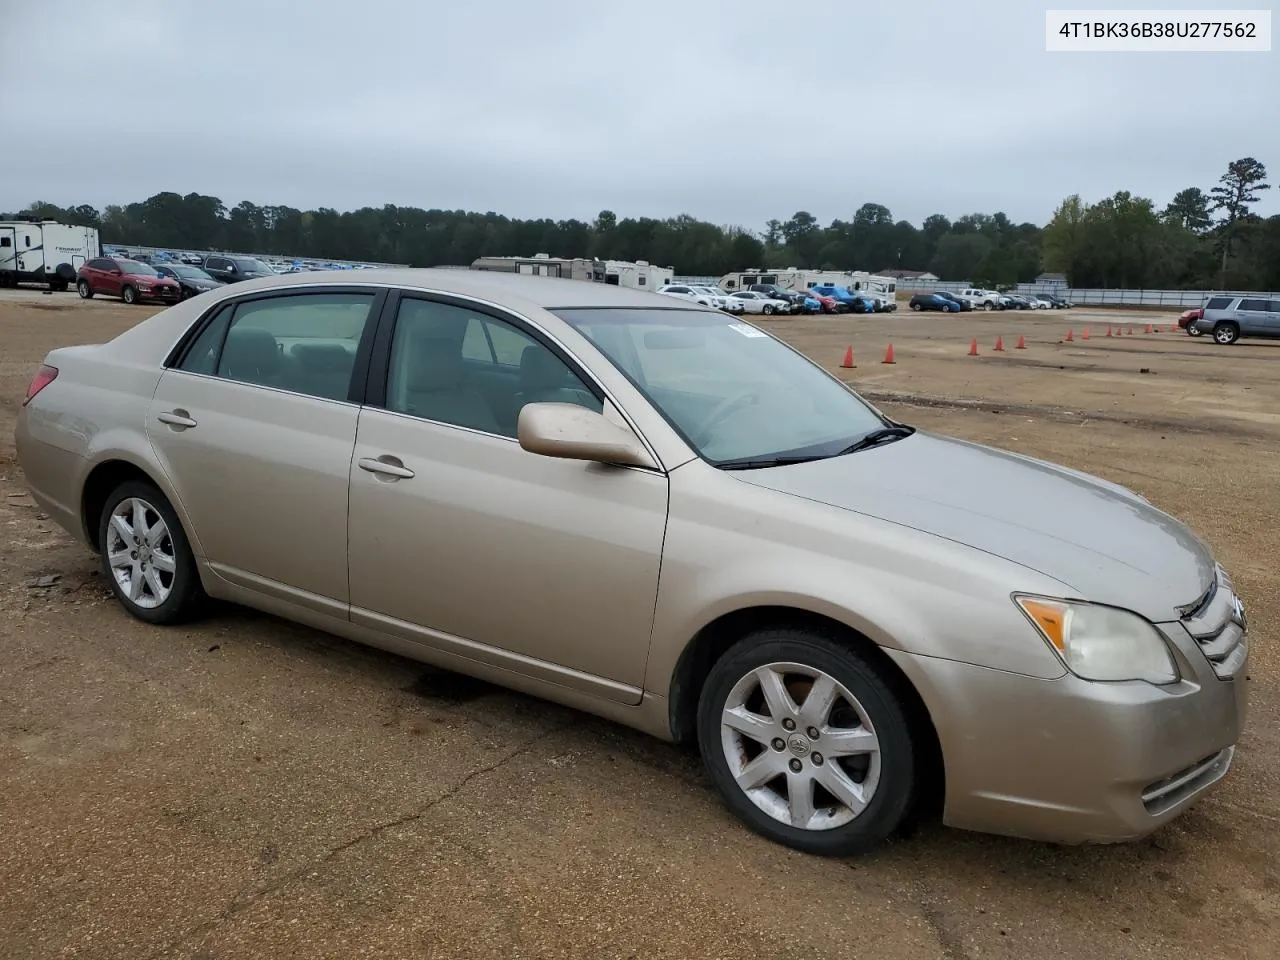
(984, 299)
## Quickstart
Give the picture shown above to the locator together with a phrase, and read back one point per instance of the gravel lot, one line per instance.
(249, 788)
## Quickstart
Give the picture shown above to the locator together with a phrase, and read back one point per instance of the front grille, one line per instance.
(1217, 624)
(1164, 795)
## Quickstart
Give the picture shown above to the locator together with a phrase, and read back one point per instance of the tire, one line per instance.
(768, 308)
(180, 595)
(1192, 331)
(915, 307)
(85, 291)
(1226, 333)
(128, 294)
(884, 764)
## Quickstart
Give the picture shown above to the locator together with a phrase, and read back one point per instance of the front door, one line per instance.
(8, 251)
(462, 540)
(255, 429)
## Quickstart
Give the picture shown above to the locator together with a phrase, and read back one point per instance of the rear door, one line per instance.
(1254, 315)
(255, 424)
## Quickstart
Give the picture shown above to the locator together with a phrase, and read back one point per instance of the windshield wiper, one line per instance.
(759, 463)
(876, 437)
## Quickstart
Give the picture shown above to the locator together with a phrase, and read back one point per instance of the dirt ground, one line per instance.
(249, 788)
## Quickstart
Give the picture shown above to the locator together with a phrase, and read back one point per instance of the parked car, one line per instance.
(1017, 302)
(854, 301)
(130, 280)
(835, 606)
(1187, 321)
(721, 300)
(753, 302)
(932, 301)
(961, 303)
(1230, 318)
(1055, 301)
(1039, 301)
(234, 269)
(794, 299)
(693, 294)
(827, 303)
(191, 280)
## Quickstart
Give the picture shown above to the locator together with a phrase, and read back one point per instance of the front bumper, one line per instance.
(1072, 761)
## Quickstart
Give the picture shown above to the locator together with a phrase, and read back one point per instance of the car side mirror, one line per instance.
(573, 432)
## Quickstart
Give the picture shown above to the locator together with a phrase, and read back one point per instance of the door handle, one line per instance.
(389, 467)
(176, 418)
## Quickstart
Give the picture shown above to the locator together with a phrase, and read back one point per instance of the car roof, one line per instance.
(549, 293)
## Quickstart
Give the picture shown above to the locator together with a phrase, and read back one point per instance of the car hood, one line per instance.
(1103, 541)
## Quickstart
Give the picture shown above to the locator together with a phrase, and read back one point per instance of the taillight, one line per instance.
(44, 376)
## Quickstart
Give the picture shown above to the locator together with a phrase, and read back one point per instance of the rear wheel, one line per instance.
(129, 294)
(915, 307)
(85, 291)
(1193, 331)
(768, 308)
(146, 557)
(1226, 333)
(807, 742)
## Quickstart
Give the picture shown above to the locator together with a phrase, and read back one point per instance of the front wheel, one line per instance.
(146, 557)
(1226, 333)
(129, 294)
(85, 291)
(807, 742)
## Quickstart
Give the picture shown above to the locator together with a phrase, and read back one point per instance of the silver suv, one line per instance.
(1230, 318)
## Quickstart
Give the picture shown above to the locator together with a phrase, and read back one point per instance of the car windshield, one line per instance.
(189, 273)
(249, 265)
(732, 391)
(138, 268)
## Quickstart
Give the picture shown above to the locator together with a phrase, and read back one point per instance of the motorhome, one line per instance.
(882, 289)
(44, 251)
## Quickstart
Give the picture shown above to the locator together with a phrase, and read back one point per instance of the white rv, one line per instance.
(641, 275)
(882, 289)
(41, 251)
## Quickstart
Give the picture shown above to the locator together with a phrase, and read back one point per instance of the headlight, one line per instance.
(1101, 643)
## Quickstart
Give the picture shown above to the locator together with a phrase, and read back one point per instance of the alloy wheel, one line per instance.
(800, 746)
(140, 553)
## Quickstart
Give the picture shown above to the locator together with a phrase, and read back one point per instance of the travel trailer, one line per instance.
(545, 265)
(640, 275)
(42, 251)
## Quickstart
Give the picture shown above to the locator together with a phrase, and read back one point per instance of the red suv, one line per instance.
(131, 281)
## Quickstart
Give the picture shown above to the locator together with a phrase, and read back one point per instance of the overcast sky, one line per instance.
(733, 112)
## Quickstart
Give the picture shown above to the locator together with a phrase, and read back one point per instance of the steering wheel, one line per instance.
(722, 410)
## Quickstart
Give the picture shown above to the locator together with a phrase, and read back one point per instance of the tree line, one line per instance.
(1200, 239)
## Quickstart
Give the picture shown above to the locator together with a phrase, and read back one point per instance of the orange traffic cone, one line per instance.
(1022, 342)
(848, 359)
(973, 347)
(1070, 335)
(1128, 331)
(1108, 330)
(888, 355)
(1084, 335)
(1148, 328)
(1000, 344)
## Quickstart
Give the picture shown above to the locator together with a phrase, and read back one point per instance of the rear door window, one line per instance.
(1218, 303)
(1259, 306)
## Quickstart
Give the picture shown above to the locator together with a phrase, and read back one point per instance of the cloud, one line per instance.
(734, 113)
